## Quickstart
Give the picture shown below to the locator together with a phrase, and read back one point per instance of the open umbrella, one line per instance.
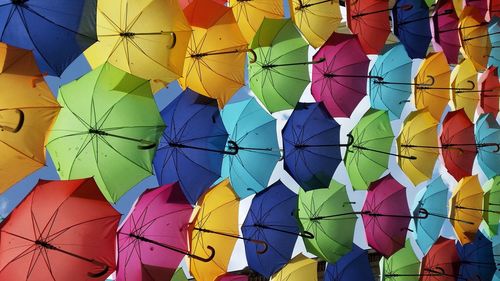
(232, 277)
(327, 213)
(464, 92)
(494, 36)
(494, 9)
(299, 268)
(402, 265)
(492, 204)
(57, 31)
(444, 27)
(192, 144)
(496, 248)
(487, 133)
(339, 77)
(108, 124)
(489, 87)
(474, 37)
(279, 73)
(179, 275)
(476, 259)
(441, 262)
(27, 111)
(62, 230)
(352, 266)
(480, 5)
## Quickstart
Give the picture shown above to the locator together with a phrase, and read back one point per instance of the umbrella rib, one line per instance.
(53, 236)
(9, 17)
(122, 155)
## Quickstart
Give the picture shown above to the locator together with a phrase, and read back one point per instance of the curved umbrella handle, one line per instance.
(306, 234)
(254, 59)
(19, 124)
(145, 145)
(233, 148)
(105, 268)
(174, 40)
(472, 83)
(424, 213)
(263, 243)
(432, 81)
(211, 257)
(438, 270)
(350, 140)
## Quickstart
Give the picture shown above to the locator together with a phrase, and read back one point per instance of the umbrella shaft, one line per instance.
(475, 209)
(200, 55)
(384, 152)
(446, 12)
(144, 239)
(402, 275)
(180, 145)
(398, 83)
(446, 217)
(222, 233)
(386, 215)
(481, 36)
(302, 6)
(305, 234)
(336, 215)
(321, 145)
(371, 13)
(267, 66)
(332, 75)
(460, 28)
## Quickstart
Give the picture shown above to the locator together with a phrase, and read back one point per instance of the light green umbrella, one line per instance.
(401, 266)
(492, 205)
(108, 128)
(179, 275)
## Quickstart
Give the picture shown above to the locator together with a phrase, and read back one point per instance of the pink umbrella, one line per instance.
(232, 277)
(444, 28)
(481, 5)
(339, 81)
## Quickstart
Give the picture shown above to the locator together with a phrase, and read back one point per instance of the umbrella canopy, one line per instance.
(148, 40)
(480, 5)
(352, 266)
(444, 28)
(253, 131)
(27, 111)
(494, 35)
(316, 19)
(464, 93)
(327, 213)
(299, 268)
(311, 146)
(466, 207)
(441, 262)
(280, 73)
(386, 216)
(185, 3)
(476, 259)
(179, 275)
(403, 265)
(418, 138)
(271, 219)
(489, 87)
(487, 133)
(215, 59)
(492, 205)
(250, 14)
(369, 20)
(494, 9)
(474, 37)
(153, 239)
(62, 230)
(390, 86)
(232, 277)
(192, 143)
(203, 13)
(57, 31)
(339, 80)
(109, 123)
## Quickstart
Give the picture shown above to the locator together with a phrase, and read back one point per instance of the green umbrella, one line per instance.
(327, 213)
(401, 266)
(179, 275)
(108, 128)
(492, 204)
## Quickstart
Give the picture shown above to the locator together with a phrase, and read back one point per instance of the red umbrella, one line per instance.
(63, 230)
(494, 9)
(232, 277)
(481, 5)
(489, 87)
(442, 262)
(445, 31)
(203, 13)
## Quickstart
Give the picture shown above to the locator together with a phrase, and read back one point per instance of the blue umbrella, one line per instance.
(494, 33)
(253, 131)
(476, 259)
(57, 31)
(271, 218)
(311, 146)
(192, 145)
(487, 133)
(353, 266)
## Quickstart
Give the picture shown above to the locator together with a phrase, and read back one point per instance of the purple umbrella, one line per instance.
(339, 81)
(445, 31)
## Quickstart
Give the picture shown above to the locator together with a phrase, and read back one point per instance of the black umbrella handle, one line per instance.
(142, 144)
(260, 242)
(19, 125)
(303, 234)
(405, 7)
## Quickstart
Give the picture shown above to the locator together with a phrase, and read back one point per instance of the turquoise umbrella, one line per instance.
(494, 33)
(390, 85)
(252, 131)
(496, 248)
(487, 132)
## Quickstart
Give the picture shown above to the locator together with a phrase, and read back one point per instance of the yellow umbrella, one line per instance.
(299, 268)
(474, 37)
(464, 92)
(316, 19)
(27, 111)
(431, 86)
(250, 14)
(145, 38)
(466, 204)
(215, 59)
(418, 142)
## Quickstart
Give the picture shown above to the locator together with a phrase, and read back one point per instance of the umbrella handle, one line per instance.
(432, 81)
(233, 148)
(438, 270)
(145, 145)
(424, 213)
(19, 124)
(211, 257)
(263, 243)
(350, 140)
(174, 40)
(104, 266)
(251, 51)
(306, 234)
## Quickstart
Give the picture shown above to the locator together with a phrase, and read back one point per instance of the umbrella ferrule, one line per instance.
(19, 2)
(97, 132)
(45, 244)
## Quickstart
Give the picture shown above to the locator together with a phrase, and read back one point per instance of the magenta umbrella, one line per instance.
(339, 81)
(444, 29)
(232, 277)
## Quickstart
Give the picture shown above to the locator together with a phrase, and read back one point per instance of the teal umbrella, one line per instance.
(487, 132)
(252, 132)
(494, 34)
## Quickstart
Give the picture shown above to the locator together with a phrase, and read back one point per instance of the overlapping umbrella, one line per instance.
(492, 204)
(441, 262)
(445, 30)
(494, 36)
(489, 87)
(476, 259)
(487, 134)
(474, 37)
(464, 91)
(352, 266)
(403, 265)
(299, 268)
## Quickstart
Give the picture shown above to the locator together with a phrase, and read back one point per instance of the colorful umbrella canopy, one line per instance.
(489, 87)
(148, 40)
(444, 27)
(494, 9)
(37, 25)
(311, 146)
(280, 73)
(494, 35)
(27, 111)
(352, 266)
(62, 230)
(464, 93)
(339, 79)
(299, 268)
(253, 132)
(232, 277)
(271, 219)
(192, 143)
(203, 13)
(185, 3)
(441, 262)
(97, 135)
(179, 275)
(418, 138)
(390, 86)
(480, 5)
(496, 248)
(327, 213)
(487, 133)
(476, 259)
(153, 239)
(403, 265)
(316, 19)
(474, 37)
(492, 205)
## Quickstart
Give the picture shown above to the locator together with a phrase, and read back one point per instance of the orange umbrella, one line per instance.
(474, 37)
(464, 90)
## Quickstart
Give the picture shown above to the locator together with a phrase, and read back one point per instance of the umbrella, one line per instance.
(476, 259)
(480, 5)
(369, 20)
(299, 268)
(474, 39)
(391, 88)
(253, 131)
(496, 248)
(441, 262)
(62, 230)
(316, 19)
(327, 213)
(418, 138)
(192, 144)
(153, 239)
(489, 86)
(464, 76)
(492, 204)
(215, 58)
(487, 133)
(147, 40)
(57, 31)
(232, 277)
(403, 265)
(27, 111)
(250, 14)
(279, 74)
(339, 80)
(494, 9)
(270, 219)
(109, 123)
(494, 35)
(179, 275)
(444, 28)
(311, 146)
(185, 3)
(352, 266)
(203, 13)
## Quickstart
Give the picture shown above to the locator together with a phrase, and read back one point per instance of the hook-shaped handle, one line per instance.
(432, 80)
(19, 125)
(263, 243)
(306, 234)
(350, 140)
(145, 145)
(254, 59)
(105, 268)
(233, 148)
(424, 212)
(211, 257)
(174, 40)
